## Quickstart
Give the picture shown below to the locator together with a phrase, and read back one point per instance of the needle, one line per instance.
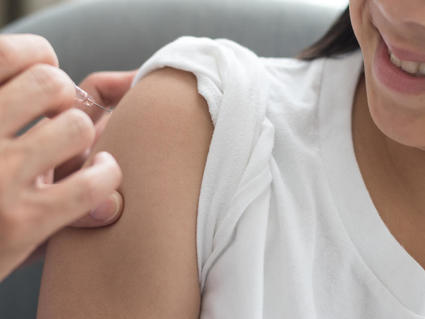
(84, 98)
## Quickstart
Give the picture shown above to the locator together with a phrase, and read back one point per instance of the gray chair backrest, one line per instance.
(119, 35)
(115, 35)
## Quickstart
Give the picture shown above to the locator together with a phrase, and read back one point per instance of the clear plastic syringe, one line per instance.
(84, 100)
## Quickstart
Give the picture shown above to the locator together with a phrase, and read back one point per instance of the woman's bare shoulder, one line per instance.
(145, 266)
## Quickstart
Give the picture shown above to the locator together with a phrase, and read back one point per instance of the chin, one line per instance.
(396, 121)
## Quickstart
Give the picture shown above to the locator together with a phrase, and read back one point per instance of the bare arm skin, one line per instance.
(145, 266)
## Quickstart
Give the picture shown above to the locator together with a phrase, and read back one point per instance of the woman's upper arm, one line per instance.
(145, 266)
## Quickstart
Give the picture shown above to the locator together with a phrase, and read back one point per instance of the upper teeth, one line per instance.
(415, 68)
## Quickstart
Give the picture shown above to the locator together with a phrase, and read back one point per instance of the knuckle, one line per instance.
(12, 157)
(45, 48)
(12, 223)
(40, 49)
(21, 152)
(40, 208)
(54, 83)
(46, 78)
(14, 167)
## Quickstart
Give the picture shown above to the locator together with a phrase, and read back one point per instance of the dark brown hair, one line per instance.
(338, 40)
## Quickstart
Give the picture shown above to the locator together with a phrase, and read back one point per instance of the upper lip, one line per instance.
(405, 54)
(400, 47)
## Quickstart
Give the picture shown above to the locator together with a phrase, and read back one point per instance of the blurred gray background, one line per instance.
(13, 9)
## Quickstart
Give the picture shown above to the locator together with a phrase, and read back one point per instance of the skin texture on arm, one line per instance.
(145, 266)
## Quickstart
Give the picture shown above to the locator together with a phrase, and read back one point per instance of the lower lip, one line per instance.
(392, 76)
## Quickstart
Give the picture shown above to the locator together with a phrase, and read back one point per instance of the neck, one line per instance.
(386, 164)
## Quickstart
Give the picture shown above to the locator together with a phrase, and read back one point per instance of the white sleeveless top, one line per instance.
(286, 227)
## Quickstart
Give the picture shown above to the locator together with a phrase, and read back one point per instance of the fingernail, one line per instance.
(108, 210)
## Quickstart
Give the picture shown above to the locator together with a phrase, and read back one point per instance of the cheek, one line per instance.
(361, 22)
(366, 36)
(356, 16)
(365, 32)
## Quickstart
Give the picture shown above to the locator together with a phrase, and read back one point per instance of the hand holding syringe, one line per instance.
(97, 113)
(105, 92)
(33, 206)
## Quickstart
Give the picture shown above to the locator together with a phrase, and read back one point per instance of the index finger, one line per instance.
(20, 51)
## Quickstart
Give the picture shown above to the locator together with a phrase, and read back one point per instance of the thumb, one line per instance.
(105, 214)
(108, 87)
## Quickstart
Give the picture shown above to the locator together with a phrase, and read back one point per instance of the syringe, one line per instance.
(83, 98)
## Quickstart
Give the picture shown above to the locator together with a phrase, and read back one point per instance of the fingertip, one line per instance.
(109, 211)
(103, 157)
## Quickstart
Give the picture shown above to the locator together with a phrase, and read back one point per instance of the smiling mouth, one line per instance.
(409, 62)
(398, 75)
(399, 69)
(412, 68)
